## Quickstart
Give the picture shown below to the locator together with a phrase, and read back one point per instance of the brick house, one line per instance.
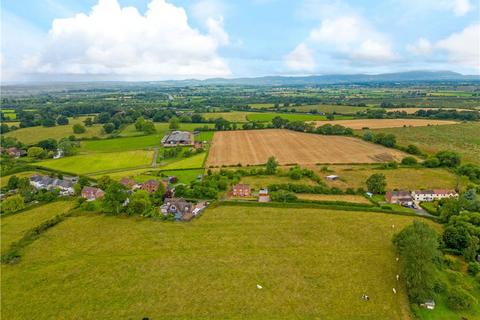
(150, 186)
(129, 183)
(92, 193)
(399, 197)
(15, 152)
(241, 190)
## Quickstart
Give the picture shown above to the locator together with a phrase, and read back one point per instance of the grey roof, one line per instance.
(53, 182)
(177, 137)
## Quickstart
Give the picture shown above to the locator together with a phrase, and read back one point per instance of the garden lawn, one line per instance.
(97, 162)
(14, 226)
(311, 264)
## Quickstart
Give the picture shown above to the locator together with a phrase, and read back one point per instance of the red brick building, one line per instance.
(150, 186)
(241, 190)
(92, 193)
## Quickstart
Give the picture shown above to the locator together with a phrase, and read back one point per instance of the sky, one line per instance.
(48, 40)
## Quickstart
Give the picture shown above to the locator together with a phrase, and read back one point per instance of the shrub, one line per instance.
(283, 196)
(35, 152)
(459, 299)
(409, 161)
(473, 268)
(78, 128)
(431, 162)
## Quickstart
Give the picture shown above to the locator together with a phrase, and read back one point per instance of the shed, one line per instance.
(332, 177)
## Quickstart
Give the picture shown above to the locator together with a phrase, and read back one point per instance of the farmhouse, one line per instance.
(130, 183)
(92, 193)
(241, 190)
(181, 209)
(150, 186)
(435, 194)
(15, 152)
(45, 182)
(178, 138)
(399, 197)
(263, 195)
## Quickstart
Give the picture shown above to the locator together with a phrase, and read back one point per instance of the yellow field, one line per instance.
(253, 147)
(333, 197)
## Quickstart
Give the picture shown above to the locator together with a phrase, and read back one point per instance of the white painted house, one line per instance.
(432, 195)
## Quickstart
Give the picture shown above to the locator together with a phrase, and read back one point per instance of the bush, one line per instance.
(409, 161)
(459, 299)
(473, 268)
(78, 128)
(431, 162)
(283, 196)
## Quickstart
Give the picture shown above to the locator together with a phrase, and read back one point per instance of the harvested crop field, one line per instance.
(253, 147)
(385, 123)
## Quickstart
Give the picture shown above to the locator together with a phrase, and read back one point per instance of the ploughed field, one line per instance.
(385, 123)
(311, 263)
(289, 147)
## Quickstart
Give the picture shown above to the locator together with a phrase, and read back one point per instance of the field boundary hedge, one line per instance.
(15, 251)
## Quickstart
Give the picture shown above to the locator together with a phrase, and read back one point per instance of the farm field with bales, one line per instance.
(93, 163)
(335, 255)
(354, 176)
(463, 138)
(289, 147)
(386, 123)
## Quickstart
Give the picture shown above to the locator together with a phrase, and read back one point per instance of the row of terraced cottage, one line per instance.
(409, 198)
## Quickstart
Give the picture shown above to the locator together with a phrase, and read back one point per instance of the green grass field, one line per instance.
(234, 116)
(193, 162)
(354, 176)
(162, 128)
(463, 138)
(13, 227)
(331, 108)
(33, 135)
(267, 117)
(120, 144)
(204, 136)
(96, 162)
(311, 263)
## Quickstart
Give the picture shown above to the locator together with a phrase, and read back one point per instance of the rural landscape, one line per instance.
(175, 193)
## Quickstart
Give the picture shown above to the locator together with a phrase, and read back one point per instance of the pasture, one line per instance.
(386, 123)
(254, 147)
(328, 108)
(234, 116)
(311, 264)
(333, 197)
(463, 138)
(13, 227)
(413, 110)
(120, 144)
(33, 135)
(267, 117)
(98, 162)
(193, 162)
(354, 176)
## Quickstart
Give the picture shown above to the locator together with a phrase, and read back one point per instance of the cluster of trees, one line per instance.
(376, 183)
(207, 188)
(148, 127)
(315, 189)
(48, 147)
(423, 113)
(387, 140)
(448, 159)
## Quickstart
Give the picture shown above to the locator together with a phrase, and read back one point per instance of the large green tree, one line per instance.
(417, 245)
(271, 166)
(376, 183)
(115, 196)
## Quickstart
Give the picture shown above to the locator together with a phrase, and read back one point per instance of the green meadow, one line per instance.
(327, 108)
(193, 162)
(97, 162)
(463, 138)
(267, 117)
(13, 227)
(120, 144)
(310, 264)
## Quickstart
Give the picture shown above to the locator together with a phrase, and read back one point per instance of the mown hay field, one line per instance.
(234, 116)
(97, 162)
(333, 197)
(386, 123)
(253, 147)
(463, 138)
(311, 263)
(413, 110)
(13, 227)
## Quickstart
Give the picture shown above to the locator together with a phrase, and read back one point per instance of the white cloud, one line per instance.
(461, 7)
(422, 47)
(122, 42)
(300, 59)
(463, 48)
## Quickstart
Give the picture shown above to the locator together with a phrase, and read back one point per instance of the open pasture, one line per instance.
(386, 123)
(413, 110)
(333, 197)
(329, 108)
(311, 263)
(13, 227)
(120, 144)
(354, 176)
(234, 116)
(463, 138)
(98, 162)
(256, 146)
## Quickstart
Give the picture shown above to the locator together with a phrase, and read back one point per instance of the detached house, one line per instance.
(241, 190)
(150, 186)
(92, 193)
(399, 197)
(432, 195)
(181, 209)
(15, 152)
(45, 182)
(130, 183)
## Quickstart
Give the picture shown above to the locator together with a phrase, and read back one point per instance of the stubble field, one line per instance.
(288, 147)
